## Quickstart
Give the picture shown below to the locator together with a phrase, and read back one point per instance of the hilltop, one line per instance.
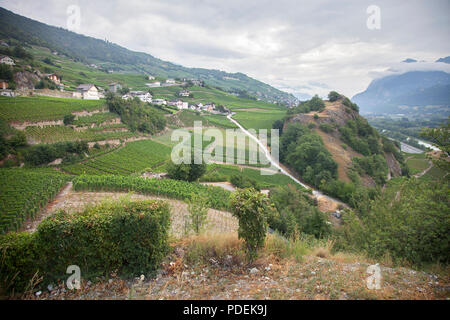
(329, 123)
(109, 56)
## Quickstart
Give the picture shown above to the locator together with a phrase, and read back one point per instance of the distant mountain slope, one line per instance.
(113, 56)
(406, 93)
(444, 60)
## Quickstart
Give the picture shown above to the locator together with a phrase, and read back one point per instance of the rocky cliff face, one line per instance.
(26, 79)
(335, 112)
(337, 115)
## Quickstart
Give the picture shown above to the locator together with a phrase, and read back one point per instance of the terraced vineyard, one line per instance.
(134, 157)
(220, 173)
(24, 192)
(39, 108)
(97, 119)
(218, 197)
(51, 134)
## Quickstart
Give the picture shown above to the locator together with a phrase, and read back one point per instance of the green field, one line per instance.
(97, 119)
(133, 157)
(52, 134)
(24, 192)
(417, 162)
(218, 198)
(40, 108)
(258, 119)
(221, 173)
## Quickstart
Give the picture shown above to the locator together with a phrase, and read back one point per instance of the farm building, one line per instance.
(3, 84)
(53, 77)
(114, 87)
(87, 91)
(7, 60)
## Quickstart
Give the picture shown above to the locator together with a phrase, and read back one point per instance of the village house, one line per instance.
(141, 95)
(87, 91)
(3, 84)
(154, 84)
(150, 77)
(209, 107)
(160, 102)
(114, 87)
(53, 77)
(184, 93)
(7, 60)
(179, 104)
(170, 81)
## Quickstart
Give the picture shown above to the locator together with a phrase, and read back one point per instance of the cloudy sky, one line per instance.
(303, 47)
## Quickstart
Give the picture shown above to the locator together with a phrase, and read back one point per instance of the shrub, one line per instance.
(409, 221)
(240, 181)
(18, 261)
(69, 119)
(252, 209)
(296, 213)
(326, 127)
(187, 172)
(128, 238)
(333, 96)
(316, 116)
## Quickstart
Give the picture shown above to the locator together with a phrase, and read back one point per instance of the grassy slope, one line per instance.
(39, 108)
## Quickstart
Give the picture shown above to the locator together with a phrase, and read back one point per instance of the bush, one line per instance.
(187, 172)
(127, 238)
(18, 261)
(326, 127)
(240, 181)
(69, 119)
(252, 210)
(297, 214)
(333, 96)
(409, 221)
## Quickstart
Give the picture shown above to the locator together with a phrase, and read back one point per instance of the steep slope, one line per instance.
(348, 136)
(115, 57)
(407, 93)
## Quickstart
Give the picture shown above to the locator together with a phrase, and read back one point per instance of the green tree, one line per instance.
(333, 96)
(187, 171)
(198, 205)
(252, 209)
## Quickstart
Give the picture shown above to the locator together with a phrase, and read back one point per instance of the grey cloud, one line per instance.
(300, 46)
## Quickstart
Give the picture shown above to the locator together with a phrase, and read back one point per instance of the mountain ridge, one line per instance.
(115, 57)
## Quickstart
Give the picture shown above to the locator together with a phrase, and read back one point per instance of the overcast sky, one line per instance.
(296, 46)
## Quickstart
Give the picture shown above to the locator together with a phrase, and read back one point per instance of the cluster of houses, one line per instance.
(141, 95)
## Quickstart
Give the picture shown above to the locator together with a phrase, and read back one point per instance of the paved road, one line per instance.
(276, 165)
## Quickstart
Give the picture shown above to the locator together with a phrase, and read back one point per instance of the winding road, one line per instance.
(277, 165)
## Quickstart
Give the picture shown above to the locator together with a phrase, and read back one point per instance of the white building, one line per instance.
(170, 81)
(154, 84)
(7, 60)
(114, 87)
(179, 104)
(87, 91)
(150, 77)
(160, 102)
(145, 97)
(184, 93)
